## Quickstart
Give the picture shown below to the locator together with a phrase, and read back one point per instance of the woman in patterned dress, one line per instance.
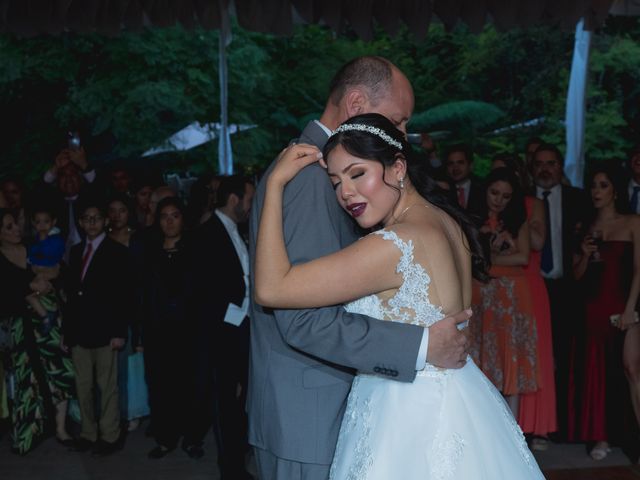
(504, 331)
(43, 374)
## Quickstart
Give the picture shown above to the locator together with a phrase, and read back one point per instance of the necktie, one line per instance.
(461, 199)
(546, 262)
(85, 259)
(634, 199)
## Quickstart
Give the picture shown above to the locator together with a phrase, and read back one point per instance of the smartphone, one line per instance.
(73, 140)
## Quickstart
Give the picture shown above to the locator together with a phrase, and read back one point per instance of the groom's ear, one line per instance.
(355, 102)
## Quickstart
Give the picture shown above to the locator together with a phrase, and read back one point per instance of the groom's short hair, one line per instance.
(371, 72)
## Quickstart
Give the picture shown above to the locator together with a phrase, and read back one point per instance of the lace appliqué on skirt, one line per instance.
(357, 417)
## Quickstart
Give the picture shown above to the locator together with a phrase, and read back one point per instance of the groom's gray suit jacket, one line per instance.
(303, 361)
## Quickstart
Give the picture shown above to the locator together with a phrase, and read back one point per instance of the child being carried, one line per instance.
(44, 257)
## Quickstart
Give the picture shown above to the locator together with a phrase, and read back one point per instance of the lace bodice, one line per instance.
(410, 304)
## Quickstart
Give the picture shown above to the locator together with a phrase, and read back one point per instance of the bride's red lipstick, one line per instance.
(356, 209)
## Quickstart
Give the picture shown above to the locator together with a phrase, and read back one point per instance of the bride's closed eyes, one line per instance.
(353, 177)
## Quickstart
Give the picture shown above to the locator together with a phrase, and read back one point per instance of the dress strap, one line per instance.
(406, 248)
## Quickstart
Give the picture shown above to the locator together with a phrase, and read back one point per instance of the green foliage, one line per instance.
(129, 93)
(465, 117)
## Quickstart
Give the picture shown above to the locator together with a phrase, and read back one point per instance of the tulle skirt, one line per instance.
(447, 424)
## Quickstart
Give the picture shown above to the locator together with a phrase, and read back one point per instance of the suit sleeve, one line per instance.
(311, 218)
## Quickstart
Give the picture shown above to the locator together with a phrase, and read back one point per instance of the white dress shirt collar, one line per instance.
(243, 255)
(324, 128)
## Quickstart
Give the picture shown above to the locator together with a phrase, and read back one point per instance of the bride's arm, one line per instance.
(367, 266)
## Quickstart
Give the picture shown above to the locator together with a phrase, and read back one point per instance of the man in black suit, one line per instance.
(564, 208)
(95, 325)
(221, 302)
(466, 190)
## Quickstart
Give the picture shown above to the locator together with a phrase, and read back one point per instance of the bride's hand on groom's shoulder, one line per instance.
(293, 159)
(449, 345)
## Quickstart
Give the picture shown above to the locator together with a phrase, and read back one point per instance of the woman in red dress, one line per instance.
(609, 268)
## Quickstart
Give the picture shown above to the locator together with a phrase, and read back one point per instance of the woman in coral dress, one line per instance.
(609, 269)
(537, 410)
(504, 334)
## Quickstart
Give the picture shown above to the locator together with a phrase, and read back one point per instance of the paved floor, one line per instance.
(51, 461)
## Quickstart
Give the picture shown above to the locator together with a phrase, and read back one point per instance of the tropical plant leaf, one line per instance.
(462, 116)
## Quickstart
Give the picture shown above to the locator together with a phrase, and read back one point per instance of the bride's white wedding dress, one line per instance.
(447, 424)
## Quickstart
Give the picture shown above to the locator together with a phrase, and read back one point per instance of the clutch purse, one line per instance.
(615, 319)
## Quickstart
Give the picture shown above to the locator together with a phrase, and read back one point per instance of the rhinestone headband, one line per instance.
(345, 127)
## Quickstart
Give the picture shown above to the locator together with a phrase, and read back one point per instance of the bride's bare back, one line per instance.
(442, 250)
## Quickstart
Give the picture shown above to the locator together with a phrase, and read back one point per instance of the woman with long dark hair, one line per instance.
(537, 410)
(132, 388)
(504, 334)
(164, 328)
(43, 374)
(608, 267)
(416, 269)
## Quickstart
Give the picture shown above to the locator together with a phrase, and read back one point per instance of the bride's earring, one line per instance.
(401, 183)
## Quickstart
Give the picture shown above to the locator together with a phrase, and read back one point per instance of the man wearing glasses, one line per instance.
(95, 325)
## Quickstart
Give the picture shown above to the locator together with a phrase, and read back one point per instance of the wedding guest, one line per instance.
(75, 156)
(428, 153)
(537, 410)
(142, 187)
(633, 188)
(131, 383)
(43, 379)
(467, 189)
(564, 208)
(203, 197)
(608, 267)
(95, 326)
(120, 180)
(530, 148)
(71, 186)
(159, 194)
(221, 339)
(149, 233)
(13, 190)
(504, 333)
(166, 287)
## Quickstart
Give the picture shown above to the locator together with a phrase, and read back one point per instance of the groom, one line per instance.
(303, 361)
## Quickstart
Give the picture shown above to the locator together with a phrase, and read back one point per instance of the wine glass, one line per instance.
(596, 236)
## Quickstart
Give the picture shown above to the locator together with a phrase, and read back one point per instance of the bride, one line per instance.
(417, 268)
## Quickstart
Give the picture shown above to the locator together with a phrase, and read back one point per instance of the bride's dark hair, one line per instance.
(367, 145)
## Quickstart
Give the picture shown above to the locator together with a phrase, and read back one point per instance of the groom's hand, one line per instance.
(447, 344)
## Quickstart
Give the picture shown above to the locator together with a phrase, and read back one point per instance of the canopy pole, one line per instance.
(225, 157)
(576, 106)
